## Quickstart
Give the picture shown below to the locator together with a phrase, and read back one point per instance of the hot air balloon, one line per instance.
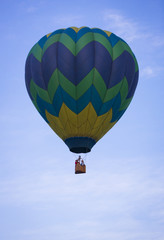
(81, 81)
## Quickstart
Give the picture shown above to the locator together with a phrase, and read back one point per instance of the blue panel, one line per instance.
(57, 101)
(133, 85)
(68, 100)
(115, 107)
(49, 62)
(130, 67)
(66, 62)
(84, 62)
(82, 31)
(42, 41)
(56, 32)
(103, 62)
(84, 100)
(118, 115)
(97, 30)
(28, 75)
(36, 72)
(91, 95)
(96, 100)
(51, 108)
(113, 39)
(118, 70)
(106, 107)
(70, 32)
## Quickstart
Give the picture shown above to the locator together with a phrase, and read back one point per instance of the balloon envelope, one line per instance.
(81, 80)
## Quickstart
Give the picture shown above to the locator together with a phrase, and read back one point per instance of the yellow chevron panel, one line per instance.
(75, 29)
(95, 133)
(99, 132)
(48, 34)
(108, 33)
(84, 124)
(105, 117)
(66, 113)
(85, 129)
(56, 125)
(63, 115)
(88, 113)
(106, 129)
(102, 125)
(70, 130)
(92, 115)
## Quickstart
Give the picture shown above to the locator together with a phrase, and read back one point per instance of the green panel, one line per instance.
(68, 43)
(119, 48)
(33, 89)
(34, 94)
(40, 91)
(64, 39)
(53, 84)
(84, 85)
(104, 41)
(83, 41)
(124, 89)
(112, 92)
(36, 51)
(50, 41)
(99, 84)
(68, 86)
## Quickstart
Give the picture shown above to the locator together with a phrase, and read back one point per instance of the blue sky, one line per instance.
(122, 194)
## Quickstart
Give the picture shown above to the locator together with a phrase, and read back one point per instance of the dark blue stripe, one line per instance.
(49, 63)
(34, 71)
(28, 75)
(84, 62)
(130, 67)
(133, 85)
(103, 62)
(66, 62)
(122, 66)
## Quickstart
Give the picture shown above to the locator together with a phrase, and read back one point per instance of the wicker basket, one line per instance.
(80, 168)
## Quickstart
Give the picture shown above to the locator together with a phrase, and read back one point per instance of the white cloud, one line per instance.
(147, 72)
(121, 25)
(151, 72)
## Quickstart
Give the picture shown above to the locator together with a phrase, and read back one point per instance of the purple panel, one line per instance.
(103, 62)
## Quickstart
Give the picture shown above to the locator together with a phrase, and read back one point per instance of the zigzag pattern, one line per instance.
(78, 67)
